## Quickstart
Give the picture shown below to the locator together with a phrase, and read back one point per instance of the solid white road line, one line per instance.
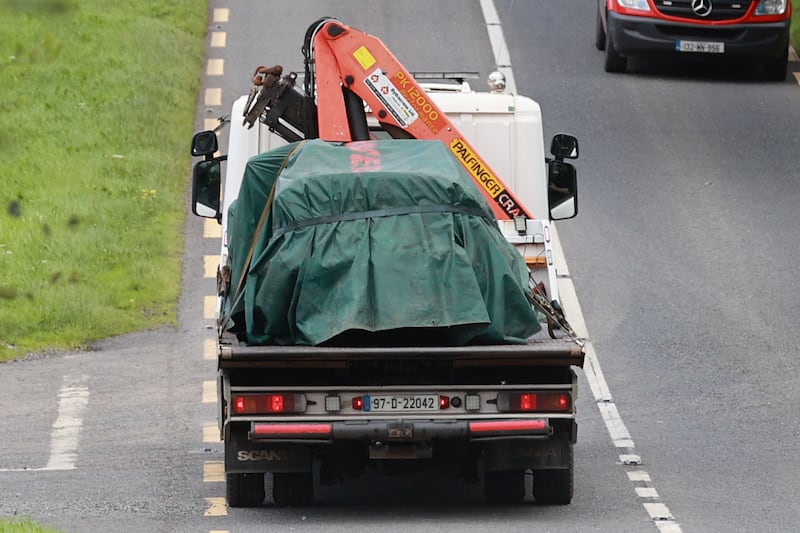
(72, 401)
(64, 435)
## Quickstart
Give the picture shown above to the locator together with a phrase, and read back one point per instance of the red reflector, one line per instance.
(527, 402)
(444, 402)
(564, 401)
(507, 425)
(238, 404)
(276, 403)
(262, 430)
(358, 403)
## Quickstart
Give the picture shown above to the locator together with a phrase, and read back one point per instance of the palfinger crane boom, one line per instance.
(347, 68)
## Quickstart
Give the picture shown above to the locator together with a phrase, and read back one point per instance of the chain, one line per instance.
(537, 297)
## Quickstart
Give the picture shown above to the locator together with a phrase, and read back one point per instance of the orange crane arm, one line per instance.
(350, 62)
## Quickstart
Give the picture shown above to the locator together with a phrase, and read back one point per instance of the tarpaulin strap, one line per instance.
(440, 208)
(267, 207)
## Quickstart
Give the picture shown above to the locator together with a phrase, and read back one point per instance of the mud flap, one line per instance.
(243, 456)
(522, 454)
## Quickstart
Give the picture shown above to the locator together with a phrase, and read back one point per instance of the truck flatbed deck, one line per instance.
(539, 351)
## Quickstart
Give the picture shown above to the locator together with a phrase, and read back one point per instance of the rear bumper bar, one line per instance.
(407, 430)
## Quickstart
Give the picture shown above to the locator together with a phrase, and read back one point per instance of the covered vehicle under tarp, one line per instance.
(373, 243)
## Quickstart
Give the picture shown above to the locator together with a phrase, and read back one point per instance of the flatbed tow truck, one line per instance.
(477, 412)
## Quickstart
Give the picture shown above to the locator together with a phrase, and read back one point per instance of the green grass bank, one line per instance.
(15, 525)
(97, 106)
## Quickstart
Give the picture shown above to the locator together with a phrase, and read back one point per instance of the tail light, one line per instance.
(444, 402)
(534, 402)
(272, 403)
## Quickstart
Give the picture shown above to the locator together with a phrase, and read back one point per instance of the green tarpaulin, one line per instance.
(372, 243)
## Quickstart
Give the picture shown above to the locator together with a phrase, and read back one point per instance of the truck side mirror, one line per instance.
(205, 144)
(206, 184)
(562, 190)
(564, 146)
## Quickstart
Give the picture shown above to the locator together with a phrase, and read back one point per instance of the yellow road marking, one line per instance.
(216, 507)
(221, 14)
(209, 392)
(215, 67)
(218, 39)
(213, 97)
(211, 228)
(210, 123)
(213, 472)
(210, 307)
(210, 263)
(210, 433)
(209, 349)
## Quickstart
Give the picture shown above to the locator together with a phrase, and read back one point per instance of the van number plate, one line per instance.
(700, 46)
(383, 403)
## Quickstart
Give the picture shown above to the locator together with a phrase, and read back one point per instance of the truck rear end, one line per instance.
(471, 413)
(377, 316)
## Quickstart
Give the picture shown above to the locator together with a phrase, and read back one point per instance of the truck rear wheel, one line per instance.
(504, 487)
(554, 486)
(245, 490)
(292, 489)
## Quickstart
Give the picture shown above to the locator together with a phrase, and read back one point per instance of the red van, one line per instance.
(746, 31)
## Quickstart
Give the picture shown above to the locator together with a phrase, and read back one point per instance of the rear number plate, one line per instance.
(700, 46)
(383, 403)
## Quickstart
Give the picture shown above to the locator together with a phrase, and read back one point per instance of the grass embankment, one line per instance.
(97, 105)
(22, 526)
(795, 32)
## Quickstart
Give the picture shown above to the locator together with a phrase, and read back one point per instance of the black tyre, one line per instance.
(776, 70)
(245, 490)
(506, 487)
(294, 489)
(613, 61)
(554, 486)
(599, 31)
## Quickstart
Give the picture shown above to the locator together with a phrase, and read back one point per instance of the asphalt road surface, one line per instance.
(682, 257)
